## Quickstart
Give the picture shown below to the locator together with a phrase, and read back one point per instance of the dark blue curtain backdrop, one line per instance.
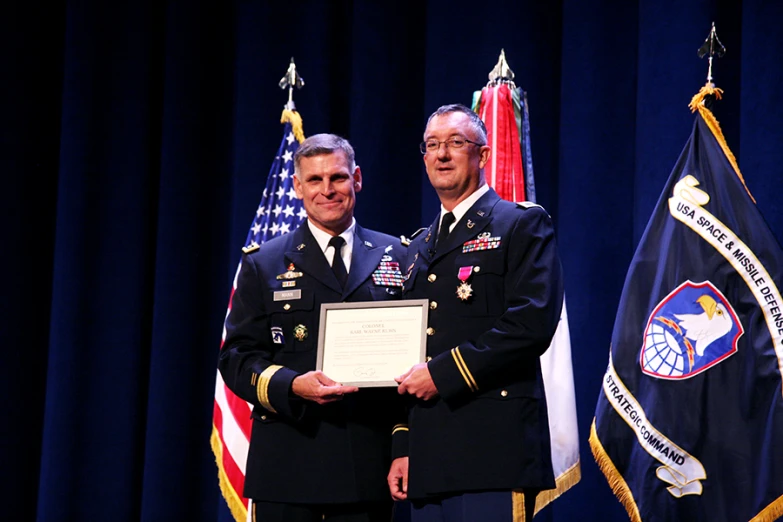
(136, 140)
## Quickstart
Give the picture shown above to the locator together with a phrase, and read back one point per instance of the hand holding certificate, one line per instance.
(368, 344)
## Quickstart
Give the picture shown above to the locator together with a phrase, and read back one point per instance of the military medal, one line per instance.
(300, 332)
(464, 290)
(290, 274)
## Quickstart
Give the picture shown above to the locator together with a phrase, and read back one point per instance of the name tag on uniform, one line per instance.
(287, 295)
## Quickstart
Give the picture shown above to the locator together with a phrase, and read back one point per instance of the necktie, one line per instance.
(445, 224)
(338, 267)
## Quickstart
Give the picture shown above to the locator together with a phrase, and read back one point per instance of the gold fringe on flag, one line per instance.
(295, 120)
(616, 481)
(563, 483)
(235, 504)
(771, 512)
(697, 104)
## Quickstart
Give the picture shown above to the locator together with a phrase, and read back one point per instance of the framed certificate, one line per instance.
(368, 344)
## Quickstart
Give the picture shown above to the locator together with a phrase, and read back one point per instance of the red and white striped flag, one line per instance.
(510, 173)
(278, 213)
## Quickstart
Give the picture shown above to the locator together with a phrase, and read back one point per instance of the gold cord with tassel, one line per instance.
(697, 104)
(295, 120)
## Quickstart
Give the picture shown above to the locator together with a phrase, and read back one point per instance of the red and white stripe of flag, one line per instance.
(231, 436)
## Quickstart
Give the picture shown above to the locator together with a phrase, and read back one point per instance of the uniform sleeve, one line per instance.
(533, 297)
(246, 359)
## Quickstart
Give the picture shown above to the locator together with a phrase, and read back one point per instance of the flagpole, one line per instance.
(503, 108)
(291, 80)
(711, 46)
(501, 73)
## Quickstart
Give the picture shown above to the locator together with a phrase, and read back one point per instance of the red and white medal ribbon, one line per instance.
(464, 290)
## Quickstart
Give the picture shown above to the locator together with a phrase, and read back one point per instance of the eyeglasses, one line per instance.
(451, 143)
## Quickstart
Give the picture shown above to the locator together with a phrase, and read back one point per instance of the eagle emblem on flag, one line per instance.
(690, 330)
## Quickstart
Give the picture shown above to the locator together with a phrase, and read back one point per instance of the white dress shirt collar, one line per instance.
(322, 238)
(463, 206)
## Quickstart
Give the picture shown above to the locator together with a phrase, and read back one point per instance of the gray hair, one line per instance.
(475, 121)
(319, 144)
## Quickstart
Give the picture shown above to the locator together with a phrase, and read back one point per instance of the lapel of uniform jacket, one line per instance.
(474, 221)
(427, 243)
(307, 256)
(364, 260)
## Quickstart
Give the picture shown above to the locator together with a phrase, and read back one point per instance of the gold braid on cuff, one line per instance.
(262, 386)
(463, 369)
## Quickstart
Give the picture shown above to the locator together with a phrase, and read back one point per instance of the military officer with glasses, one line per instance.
(476, 442)
(319, 450)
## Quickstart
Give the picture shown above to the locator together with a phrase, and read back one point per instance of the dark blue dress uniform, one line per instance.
(487, 429)
(301, 452)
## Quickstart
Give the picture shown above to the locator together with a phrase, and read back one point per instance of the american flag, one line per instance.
(278, 213)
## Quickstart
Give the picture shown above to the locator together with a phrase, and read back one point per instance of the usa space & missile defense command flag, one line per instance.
(689, 421)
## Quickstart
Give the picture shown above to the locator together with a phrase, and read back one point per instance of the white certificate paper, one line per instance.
(367, 344)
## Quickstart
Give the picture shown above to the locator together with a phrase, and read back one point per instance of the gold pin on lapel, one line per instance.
(300, 247)
(471, 224)
(480, 213)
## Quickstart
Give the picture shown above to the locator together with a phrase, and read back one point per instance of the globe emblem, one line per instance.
(690, 330)
(661, 353)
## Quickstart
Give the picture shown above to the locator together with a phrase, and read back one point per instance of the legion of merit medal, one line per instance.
(464, 290)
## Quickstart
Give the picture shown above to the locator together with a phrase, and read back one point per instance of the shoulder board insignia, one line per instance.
(530, 204)
(250, 248)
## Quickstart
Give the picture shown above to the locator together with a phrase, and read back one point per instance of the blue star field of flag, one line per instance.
(280, 211)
